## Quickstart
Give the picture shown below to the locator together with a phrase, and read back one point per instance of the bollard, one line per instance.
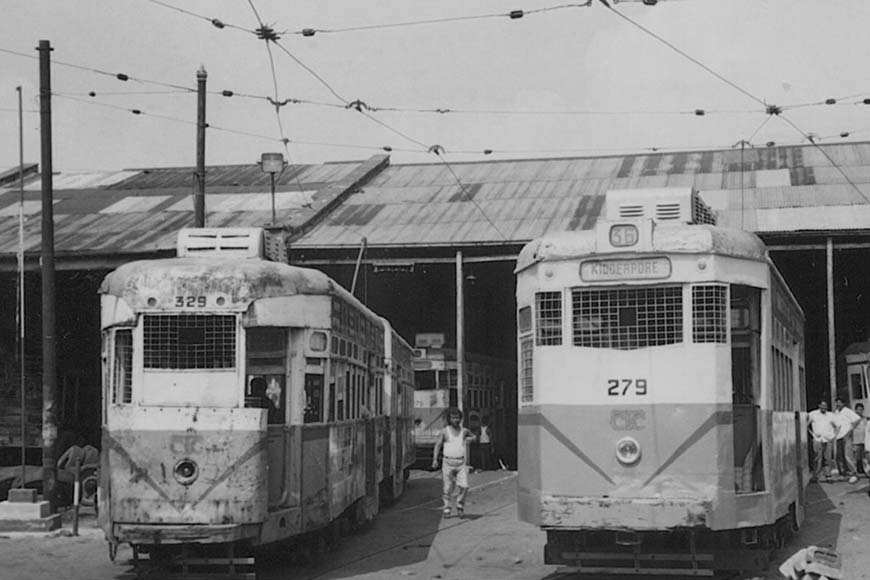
(77, 486)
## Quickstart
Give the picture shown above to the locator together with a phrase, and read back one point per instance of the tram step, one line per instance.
(193, 569)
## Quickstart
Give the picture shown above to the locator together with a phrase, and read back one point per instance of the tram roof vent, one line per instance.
(221, 242)
(671, 204)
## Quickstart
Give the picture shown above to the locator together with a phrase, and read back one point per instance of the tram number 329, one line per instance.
(622, 387)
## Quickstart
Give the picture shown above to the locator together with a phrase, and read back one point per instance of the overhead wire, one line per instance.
(770, 109)
(418, 149)
(119, 76)
(512, 15)
(213, 21)
(682, 52)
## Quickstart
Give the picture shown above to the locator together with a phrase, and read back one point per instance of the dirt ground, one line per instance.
(410, 540)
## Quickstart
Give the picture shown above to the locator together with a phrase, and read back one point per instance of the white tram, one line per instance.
(246, 402)
(489, 395)
(857, 359)
(662, 424)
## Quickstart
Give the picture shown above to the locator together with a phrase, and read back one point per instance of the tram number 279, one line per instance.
(622, 387)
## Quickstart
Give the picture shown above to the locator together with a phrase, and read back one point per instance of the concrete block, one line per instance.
(45, 524)
(24, 511)
(22, 495)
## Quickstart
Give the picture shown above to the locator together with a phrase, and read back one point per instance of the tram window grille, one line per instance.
(189, 341)
(526, 382)
(627, 318)
(709, 314)
(122, 379)
(548, 328)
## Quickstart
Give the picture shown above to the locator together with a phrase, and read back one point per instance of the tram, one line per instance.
(857, 359)
(662, 406)
(489, 395)
(246, 403)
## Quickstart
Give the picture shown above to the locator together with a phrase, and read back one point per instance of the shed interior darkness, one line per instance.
(418, 299)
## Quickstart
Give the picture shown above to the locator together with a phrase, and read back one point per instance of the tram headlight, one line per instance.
(628, 451)
(186, 471)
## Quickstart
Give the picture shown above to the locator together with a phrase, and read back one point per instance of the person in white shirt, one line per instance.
(454, 469)
(845, 420)
(823, 431)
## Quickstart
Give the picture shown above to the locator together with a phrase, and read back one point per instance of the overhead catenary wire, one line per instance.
(516, 14)
(437, 110)
(419, 145)
(770, 109)
(217, 23)
(512, 15)
(119, 76)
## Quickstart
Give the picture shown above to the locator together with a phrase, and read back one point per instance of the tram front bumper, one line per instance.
(549, 511)
(182, 534)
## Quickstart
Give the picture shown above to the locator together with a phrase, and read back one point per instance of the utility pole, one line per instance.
(49, 362)
(21, 347)
(460, 335)
(199, 176)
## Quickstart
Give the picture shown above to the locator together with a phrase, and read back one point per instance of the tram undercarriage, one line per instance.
(679, 552)
(239, 560)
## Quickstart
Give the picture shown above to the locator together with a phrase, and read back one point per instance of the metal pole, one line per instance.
(832, 346)
(272, 181)
(49, 363)
(460, 334)
(362, 251)
(21, 348)
(199, 176)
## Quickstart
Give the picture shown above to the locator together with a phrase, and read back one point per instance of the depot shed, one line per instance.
(410, 239)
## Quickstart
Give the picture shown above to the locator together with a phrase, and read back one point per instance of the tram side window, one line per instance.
(266, 371)
(548, 308)
(122, 367)
(856, 386)
(313, 398)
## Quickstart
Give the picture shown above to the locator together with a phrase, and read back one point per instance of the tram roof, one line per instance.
(667, 238)
(260, 277)
(254, 278)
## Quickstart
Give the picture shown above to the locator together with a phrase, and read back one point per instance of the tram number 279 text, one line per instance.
(622, 387)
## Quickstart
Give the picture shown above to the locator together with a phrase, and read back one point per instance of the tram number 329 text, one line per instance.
(190, 301)
(622, 387)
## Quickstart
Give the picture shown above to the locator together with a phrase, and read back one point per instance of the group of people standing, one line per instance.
(839, 440)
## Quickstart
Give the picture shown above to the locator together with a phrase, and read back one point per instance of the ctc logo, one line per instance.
(628, 420)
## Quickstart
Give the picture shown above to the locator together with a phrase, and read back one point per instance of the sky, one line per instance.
(564, 80)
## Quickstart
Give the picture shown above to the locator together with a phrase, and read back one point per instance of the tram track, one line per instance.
(416, 540)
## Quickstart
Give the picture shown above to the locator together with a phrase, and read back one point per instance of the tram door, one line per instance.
(266, 373)
(746, 388)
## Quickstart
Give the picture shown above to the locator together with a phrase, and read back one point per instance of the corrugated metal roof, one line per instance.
(126, 213)
(335, 205)
(771, 190)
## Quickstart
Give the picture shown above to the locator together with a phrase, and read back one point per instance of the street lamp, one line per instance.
(272, 163)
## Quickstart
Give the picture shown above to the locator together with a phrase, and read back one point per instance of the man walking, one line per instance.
(454, 468)
(823, 431)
